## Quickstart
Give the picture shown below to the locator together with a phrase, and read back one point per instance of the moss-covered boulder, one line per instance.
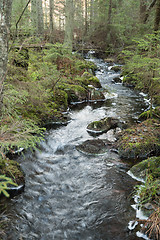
(103, 125)
(116, 68)
(141, 141)
(129, 80)
(95, 146)
(61, 99)
(150, 165)
(94, 94)
(11, 169)
(75, 93)
(88, 79)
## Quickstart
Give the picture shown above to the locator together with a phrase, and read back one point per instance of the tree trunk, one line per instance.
(91, 11)
(86, 17)
(51, 26)
(149, 10)
(5, 13)
(110, 12)
(40, 27)
(34, 15)
(143, 8)
(69, 25)
(45, 15)
(157, 17)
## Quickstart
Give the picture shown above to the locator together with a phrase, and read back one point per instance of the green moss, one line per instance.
(103, 125)
(116, 68)
(140, 141)
(150, 165)
(12, 170)
(75, 92)
(61, 99)
(89, 79)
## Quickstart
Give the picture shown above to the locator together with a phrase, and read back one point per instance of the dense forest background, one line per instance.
(104, 24)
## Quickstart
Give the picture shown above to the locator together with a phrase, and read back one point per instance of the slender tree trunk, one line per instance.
(143, 8)
(69, 24)
(149, 10)
(5, 13)
(157, 17)
(86, 17)
(91, 11)
(110, 12)
(51, 25)
(34, 15)
(45, 15)
(40, 27)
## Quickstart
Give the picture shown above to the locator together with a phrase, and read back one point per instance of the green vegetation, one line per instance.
(140, 141)
(43, 76)
(142, 66)
(148, 192)
(39, 92)
(4, 181)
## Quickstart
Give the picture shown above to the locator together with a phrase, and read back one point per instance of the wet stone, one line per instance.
(95, 146)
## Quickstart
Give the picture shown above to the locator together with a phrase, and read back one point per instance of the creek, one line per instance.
(70, 195)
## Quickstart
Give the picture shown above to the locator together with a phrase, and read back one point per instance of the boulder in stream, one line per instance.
(94, 146)
(102, 125)
(88, 79)
(117, 80)
(116, 68)
(95, 94)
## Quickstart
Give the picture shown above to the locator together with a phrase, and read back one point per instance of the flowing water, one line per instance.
(73, 196)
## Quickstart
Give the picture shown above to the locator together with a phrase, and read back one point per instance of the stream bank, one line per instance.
(72, 195)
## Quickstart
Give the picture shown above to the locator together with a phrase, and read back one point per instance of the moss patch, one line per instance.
(12, 169)
(148, 166)
(89, 79)
(103, 125)
(140, 141)
(75, 93)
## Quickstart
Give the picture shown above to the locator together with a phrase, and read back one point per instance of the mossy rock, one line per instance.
(116, 68)
(95, 146)
(109, 60)
(11, 169)
(102, 125)
(150, 165)
(129, 81)
(147, 114)
(141, 141)
(89, 79)
(87, 65)
(95, 95)
(61, 99)
(75, 93)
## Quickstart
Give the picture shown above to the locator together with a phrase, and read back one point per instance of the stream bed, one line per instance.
(70, 195)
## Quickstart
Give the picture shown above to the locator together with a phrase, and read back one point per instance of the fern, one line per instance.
(4, 182)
